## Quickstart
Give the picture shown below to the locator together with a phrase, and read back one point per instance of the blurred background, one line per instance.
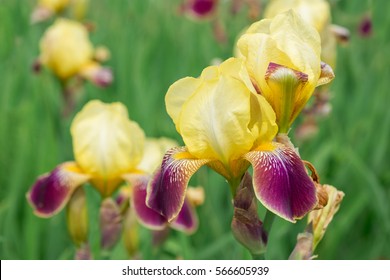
(153, 44)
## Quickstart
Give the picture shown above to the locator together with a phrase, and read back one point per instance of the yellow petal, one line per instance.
(65, 48)
(314, 12)
(299, 41)
(177, 94)
(106, 143)
(214, 121)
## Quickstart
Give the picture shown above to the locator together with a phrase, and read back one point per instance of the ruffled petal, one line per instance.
(166, 191)
(145, 215)
(106, 143)
(214, 122)
(187, 220)
(280, 181)
(52, 191)
(178, 94)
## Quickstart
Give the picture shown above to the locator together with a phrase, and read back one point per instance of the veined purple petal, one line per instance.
(166, 191)
(203, 7)
(187, 220)
(281, 183)
(52, 191)
(145, 215)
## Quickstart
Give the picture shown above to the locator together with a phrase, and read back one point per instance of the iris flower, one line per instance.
(282, 56)
(227, 126)
(107, 145)
(109, 150)
(67, 51)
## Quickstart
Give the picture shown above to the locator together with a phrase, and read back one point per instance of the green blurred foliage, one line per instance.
(152, 46)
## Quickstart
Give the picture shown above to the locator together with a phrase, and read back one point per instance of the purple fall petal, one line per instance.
(166, 191)
(187, 219)
(281, 183)
(145, 215)
(52, 191)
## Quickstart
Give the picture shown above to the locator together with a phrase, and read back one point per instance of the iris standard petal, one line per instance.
(214, 121)
(145, 215)
(186, 220)
(166, 191)
(280, 181)
(299, 41)
(52, 191)
(106, 143)
(178, 93)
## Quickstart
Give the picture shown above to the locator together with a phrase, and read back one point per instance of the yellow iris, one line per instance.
(66, 49)
(219, 115)
(106, 144)
(282, 56)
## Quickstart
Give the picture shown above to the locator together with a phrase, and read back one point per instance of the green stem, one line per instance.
(267, 225)
(234, 183)
(268, 221)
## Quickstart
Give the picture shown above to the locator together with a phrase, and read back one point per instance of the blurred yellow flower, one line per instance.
(282, 56)
(47, 8)
(66, 49)
(106, 144)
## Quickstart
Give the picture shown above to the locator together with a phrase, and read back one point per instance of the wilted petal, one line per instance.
(145, 215)
(52, 191)
(320, 219)
(326, 75)
(187, 220)
(280, 181)
(166, 192)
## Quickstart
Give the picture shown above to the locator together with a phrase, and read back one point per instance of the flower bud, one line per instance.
(246, 226)
(131, 232)
(110, 223)
(77, 217)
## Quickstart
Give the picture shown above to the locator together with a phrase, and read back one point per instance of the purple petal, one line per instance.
(52, 191)
(166, 191)
(145, 215)
(281, 183)
(187, 220)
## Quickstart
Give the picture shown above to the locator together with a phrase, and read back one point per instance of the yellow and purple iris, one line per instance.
(109, 151)
(227, 125)
(282, 56)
